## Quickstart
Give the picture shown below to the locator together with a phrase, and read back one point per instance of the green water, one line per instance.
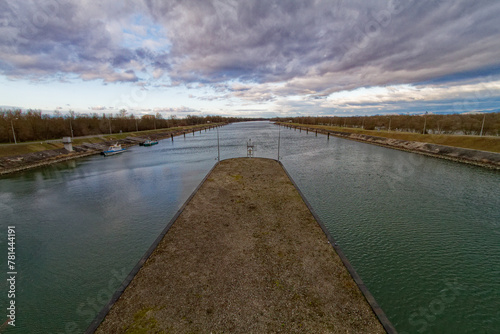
(423, 233)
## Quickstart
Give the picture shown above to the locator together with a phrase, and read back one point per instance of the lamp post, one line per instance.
(425, 122)
(13, 132)
(71, 128)
(482, 126)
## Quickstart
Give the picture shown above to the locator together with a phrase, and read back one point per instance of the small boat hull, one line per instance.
(149, 143)
(106, 153)
(113, 149)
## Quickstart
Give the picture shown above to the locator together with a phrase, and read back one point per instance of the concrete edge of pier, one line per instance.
(382, 318)
(389, 328)
(104, 311)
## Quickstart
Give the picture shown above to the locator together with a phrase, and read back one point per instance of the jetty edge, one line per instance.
(244, 254)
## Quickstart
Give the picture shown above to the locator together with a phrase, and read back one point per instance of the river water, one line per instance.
(423, 233)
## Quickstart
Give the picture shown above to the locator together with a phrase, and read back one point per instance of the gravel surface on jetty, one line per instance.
(244, 256)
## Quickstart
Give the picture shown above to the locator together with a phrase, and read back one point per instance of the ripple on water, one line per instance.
(415, 228)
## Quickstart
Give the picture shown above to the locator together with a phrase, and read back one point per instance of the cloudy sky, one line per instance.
(249, 57)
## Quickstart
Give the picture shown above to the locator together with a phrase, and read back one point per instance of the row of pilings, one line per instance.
(459, 154)
(204, 128)
(316, 130)
(184, 132)
(375, 140)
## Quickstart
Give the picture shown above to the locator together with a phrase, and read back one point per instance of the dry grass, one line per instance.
(32, 147)
(245, 256)
(24, 148)
(491, 144)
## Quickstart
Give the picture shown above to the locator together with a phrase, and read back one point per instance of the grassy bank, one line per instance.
(490, 144)
(33, 147)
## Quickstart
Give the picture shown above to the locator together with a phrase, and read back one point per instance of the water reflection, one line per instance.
(408, 223)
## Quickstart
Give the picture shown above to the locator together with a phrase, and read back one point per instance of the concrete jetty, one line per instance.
(244, 255)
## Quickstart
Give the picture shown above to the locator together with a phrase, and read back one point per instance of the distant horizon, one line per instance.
(181, 116)
(251, 59)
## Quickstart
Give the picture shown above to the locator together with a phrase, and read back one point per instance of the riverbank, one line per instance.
(245, 255)
(15, 158)
(490, 159)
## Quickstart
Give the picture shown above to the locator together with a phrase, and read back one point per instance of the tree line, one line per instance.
(34, 125)
(462, 124)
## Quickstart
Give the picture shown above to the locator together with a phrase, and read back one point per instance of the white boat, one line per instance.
(113, 149)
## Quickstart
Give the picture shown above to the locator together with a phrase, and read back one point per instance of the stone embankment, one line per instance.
(465, 155)
(11, 164)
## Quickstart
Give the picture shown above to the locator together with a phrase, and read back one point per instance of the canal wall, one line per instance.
(17, 163)
(245, 254)
(464, 155)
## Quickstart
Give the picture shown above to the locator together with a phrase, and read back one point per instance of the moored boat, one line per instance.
(113, 149)
(149, 142)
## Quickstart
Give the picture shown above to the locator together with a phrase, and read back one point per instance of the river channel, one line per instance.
(423, 233)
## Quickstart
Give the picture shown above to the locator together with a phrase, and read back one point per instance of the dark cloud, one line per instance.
(303, 47)
(44, 38)
(252, 41)
(328, 46)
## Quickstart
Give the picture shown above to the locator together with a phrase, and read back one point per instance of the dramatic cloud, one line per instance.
(409, 93)
(328, 46)
(40, 39)
(260, 51)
